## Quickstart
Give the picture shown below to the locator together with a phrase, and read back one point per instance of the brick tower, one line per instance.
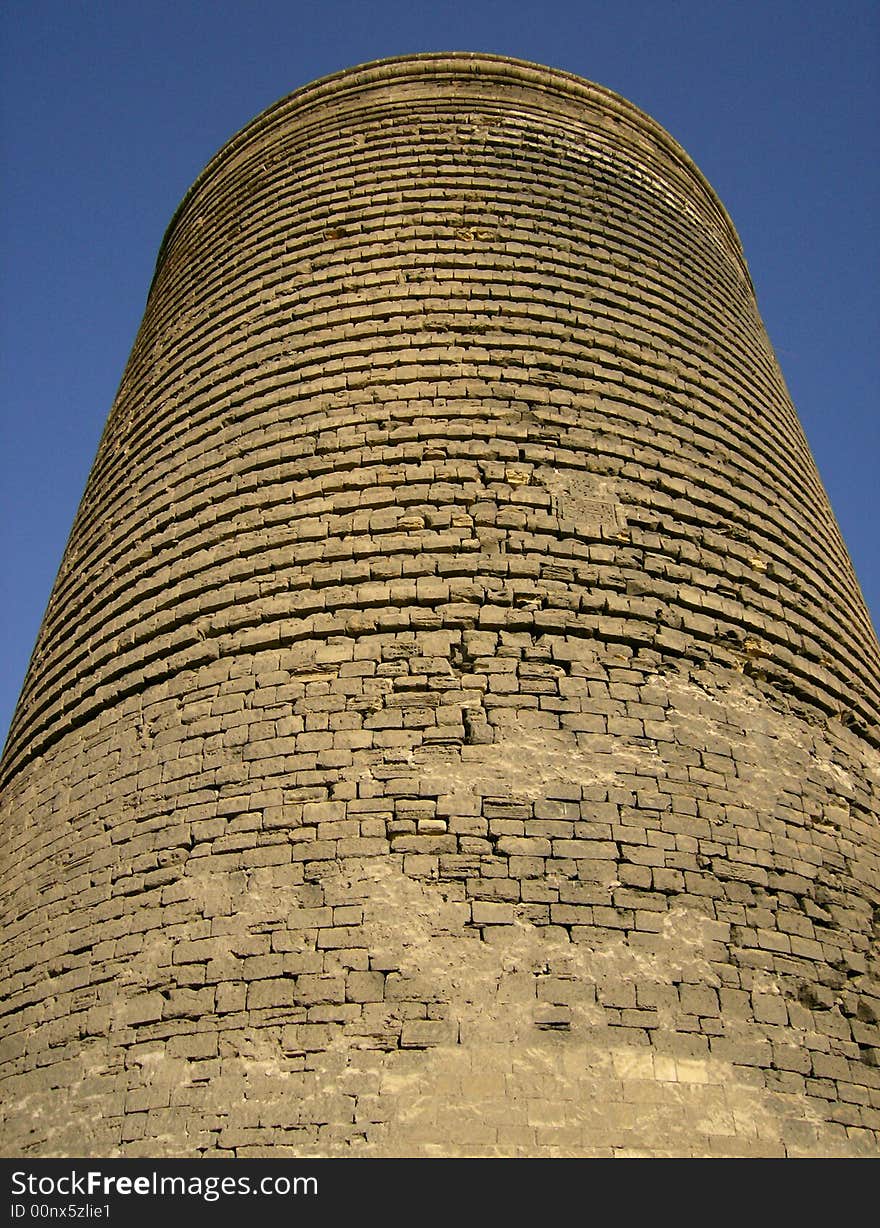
(453, 730)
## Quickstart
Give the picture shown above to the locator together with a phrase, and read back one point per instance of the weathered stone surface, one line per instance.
(454, 727)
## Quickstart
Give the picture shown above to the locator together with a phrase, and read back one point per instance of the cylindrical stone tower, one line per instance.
(454, 727)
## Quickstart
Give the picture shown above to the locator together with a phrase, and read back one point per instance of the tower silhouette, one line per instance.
(454, 726)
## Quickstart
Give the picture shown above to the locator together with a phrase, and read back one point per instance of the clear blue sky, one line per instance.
(110, 108)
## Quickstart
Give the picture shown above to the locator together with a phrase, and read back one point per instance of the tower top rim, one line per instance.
(412, 66)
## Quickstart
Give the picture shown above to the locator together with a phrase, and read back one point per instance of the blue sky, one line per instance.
(110, 108)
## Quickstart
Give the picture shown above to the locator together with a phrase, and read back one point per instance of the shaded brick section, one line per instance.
(454, 725)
